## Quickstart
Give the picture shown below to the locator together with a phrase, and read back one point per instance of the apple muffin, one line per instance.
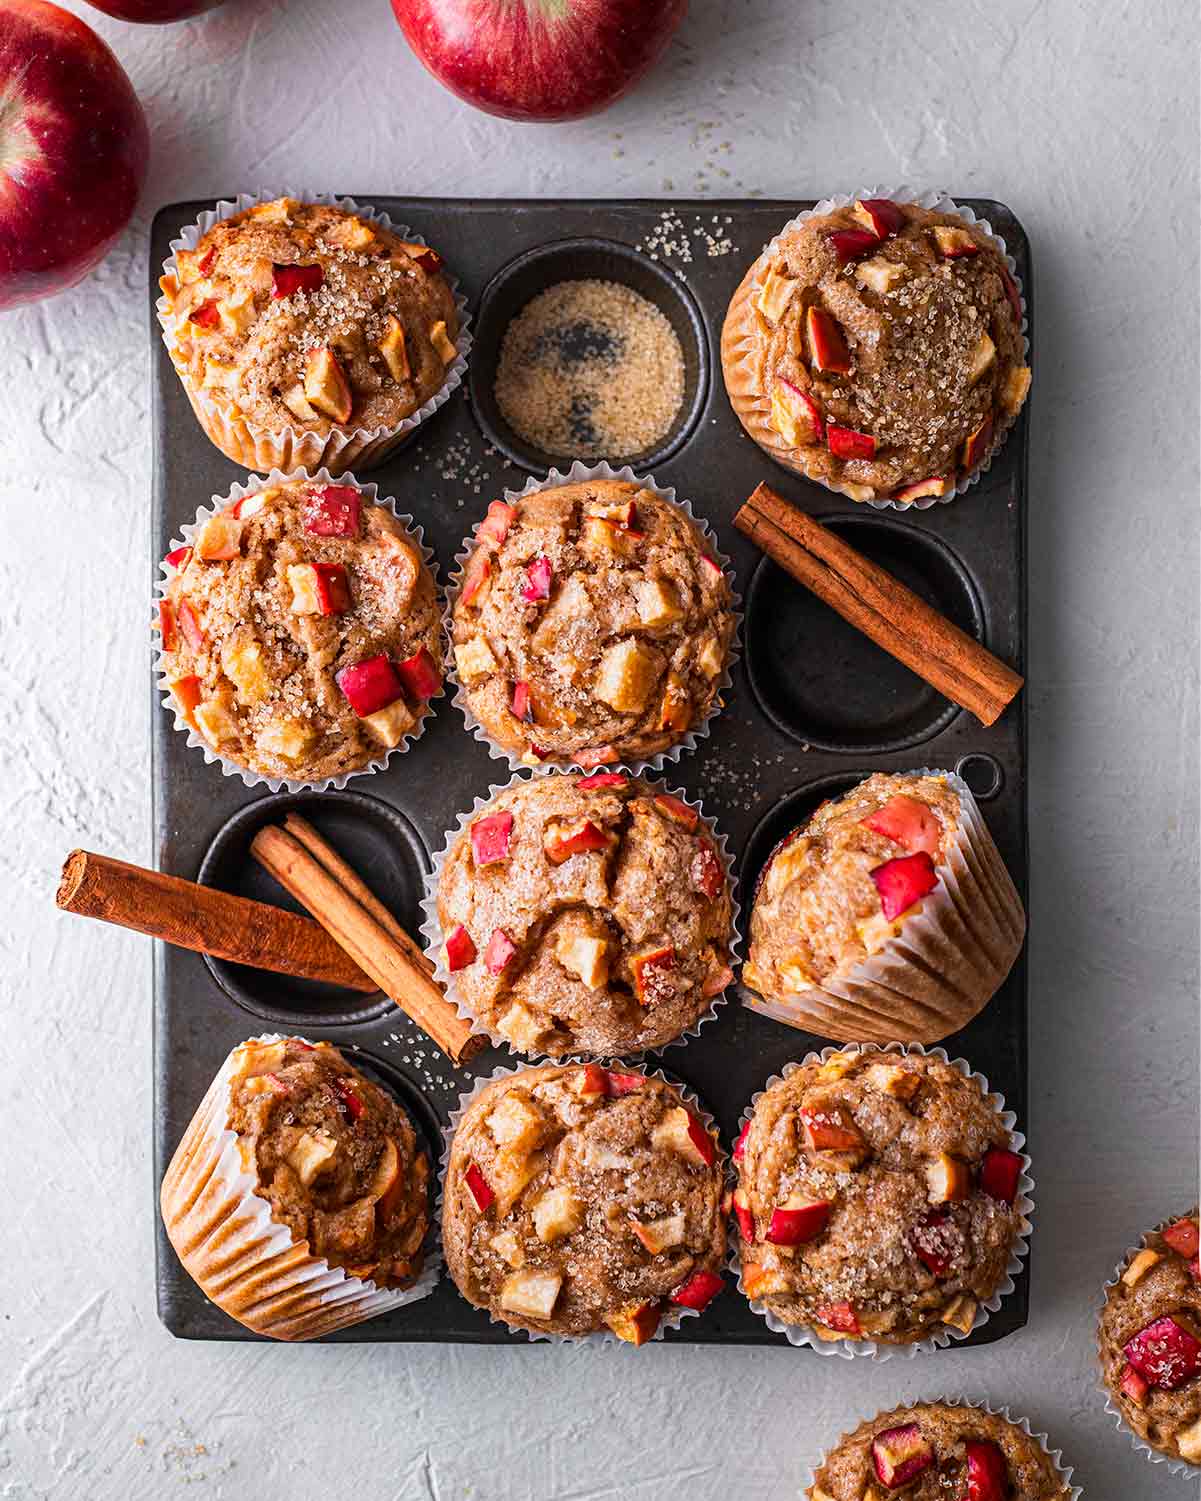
(1149, 1339)
(936, 1451)
(578, 1200)
(877, 1197)
(298, 1198)
(305, 334)
(878, 349)
(586, 914)
(888, 916)
(301, 631)
(591, 626)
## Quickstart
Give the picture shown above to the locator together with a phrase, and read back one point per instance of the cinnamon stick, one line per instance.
(396, 964)
(205, 920)
(880, 606)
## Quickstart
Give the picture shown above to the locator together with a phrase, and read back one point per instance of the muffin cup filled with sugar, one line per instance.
(909, 1211)
(300, 631)
(592, 624)
(298, 1198)
(310, 332)
(877, 347)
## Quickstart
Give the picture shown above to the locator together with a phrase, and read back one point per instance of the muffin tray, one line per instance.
(814, 707)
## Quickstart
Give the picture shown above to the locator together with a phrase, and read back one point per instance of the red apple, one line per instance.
(976, 444)
(602, 779)
(539, 59)
(564, 840)
(333, 511)
(73, 150)
(189, 624)
(495, 526)
(706, 871)
(538, 577)
(900, 1455)
(477, 1187)
(1133, 1387)
(932, 1247)
(903, 882)
(647, 968)
(797, 1221)
(840, 1316)
(369, 686)
(166, 625)
(846, 443)
(999, 1174)
(744, 1216)
(909, 493)
(420, 675)
(698, 1291)
(620, 1084)
(1183, 1237)
(827, 346)
(829, 1128)
(592, 1082)
(987, 1472)
(519, 704)
(850, 244)
(350, 1099)
(677, 810)
(1165, 1353)
(908, 822)
(460, 951)
(879, 216)
(740, 1144)
(500, 950)
(156, 12)
(288, 279)
(490, 838)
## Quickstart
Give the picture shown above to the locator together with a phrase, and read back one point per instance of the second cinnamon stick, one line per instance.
(879, 605)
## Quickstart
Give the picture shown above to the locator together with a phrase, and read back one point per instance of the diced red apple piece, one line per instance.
(840, 1316)
(740, 1144)
(987, 1472)
(519, 704)
(332, 511)
(495, 526)
(679, 1131)
(744, 1216)
(392, 348)
(178, 558)
(460, 951)
(620, 1084)
(479, 572)
(187, 692)
(477, 1187)
(903, 882)
(759, 1281)
(591, 1082)
(947, 1179)
(976, 445)
(907, 494)
(585, 956)
(850, 244)
(531, 1294)
(490, 838)
(635, 1324)
(499, 951)
(999, 1174)
(716, 981)
(326, 387)
(900, 1455)
(648, 969)
(602, 779)
(166, 625)
(661, 1234)
(1134, 1387)
(369, 686)
(846, 443)
(189, 624)
(1183, 1237)
(828, 351)
(907, 821)
(798, 1220)
(420, 675)
(830, 1129)
(207, 315)
(354, 1105)
(538, 577)
(677, 810)
(698, 1291)
(562, 841)
(1165, 1353)
(219, 539)
(954, 242)
(319, 588)
(288, 279)
(930, 1246)
(795, 415)
(879, 216)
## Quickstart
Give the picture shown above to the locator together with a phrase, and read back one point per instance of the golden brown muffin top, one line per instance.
(592, 625)
(586, 913)
(335, 1156)
(580, 1199)
(283, 603)
(304, 316)
(876, 1197)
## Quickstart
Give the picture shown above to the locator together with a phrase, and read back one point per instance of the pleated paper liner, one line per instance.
(674, 1314)
(741, 348)
(803, 1335)
(262, 449)
(578, 474)
(230, 767)
(245, 1261)
(434, 938)
(945, 966)
(1173, 1465)
(899, 1415)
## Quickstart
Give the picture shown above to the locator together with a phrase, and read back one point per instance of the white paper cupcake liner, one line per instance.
(1041, 1439)
(801, 1335)
(258, 448)
(434, 938)
(1156, 1456)
(928, 982)
(940, 203)
(231, 768)
(674, 1314)
(246, 1262)
(578, 474)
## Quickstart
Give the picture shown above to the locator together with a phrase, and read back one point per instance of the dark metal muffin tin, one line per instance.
(814, 706)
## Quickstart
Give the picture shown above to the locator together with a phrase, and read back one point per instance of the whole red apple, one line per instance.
(154, 11)
(73, 150)
(539, 59)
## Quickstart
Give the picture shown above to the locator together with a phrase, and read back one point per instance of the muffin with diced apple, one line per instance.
(878, 1198)
(307, 334)
(300, 631)
(941, 1451)
(592, 625)
(298, 1198)
(878, 349)
(888, 916)
(579, 1200)
(585, 914)
(1149, 1339)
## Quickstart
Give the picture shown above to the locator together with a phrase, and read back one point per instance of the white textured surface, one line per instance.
(1083, 118)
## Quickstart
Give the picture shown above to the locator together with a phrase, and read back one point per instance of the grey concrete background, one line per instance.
(1084, 119)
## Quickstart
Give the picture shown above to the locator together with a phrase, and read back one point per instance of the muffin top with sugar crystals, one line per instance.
(304, 316)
